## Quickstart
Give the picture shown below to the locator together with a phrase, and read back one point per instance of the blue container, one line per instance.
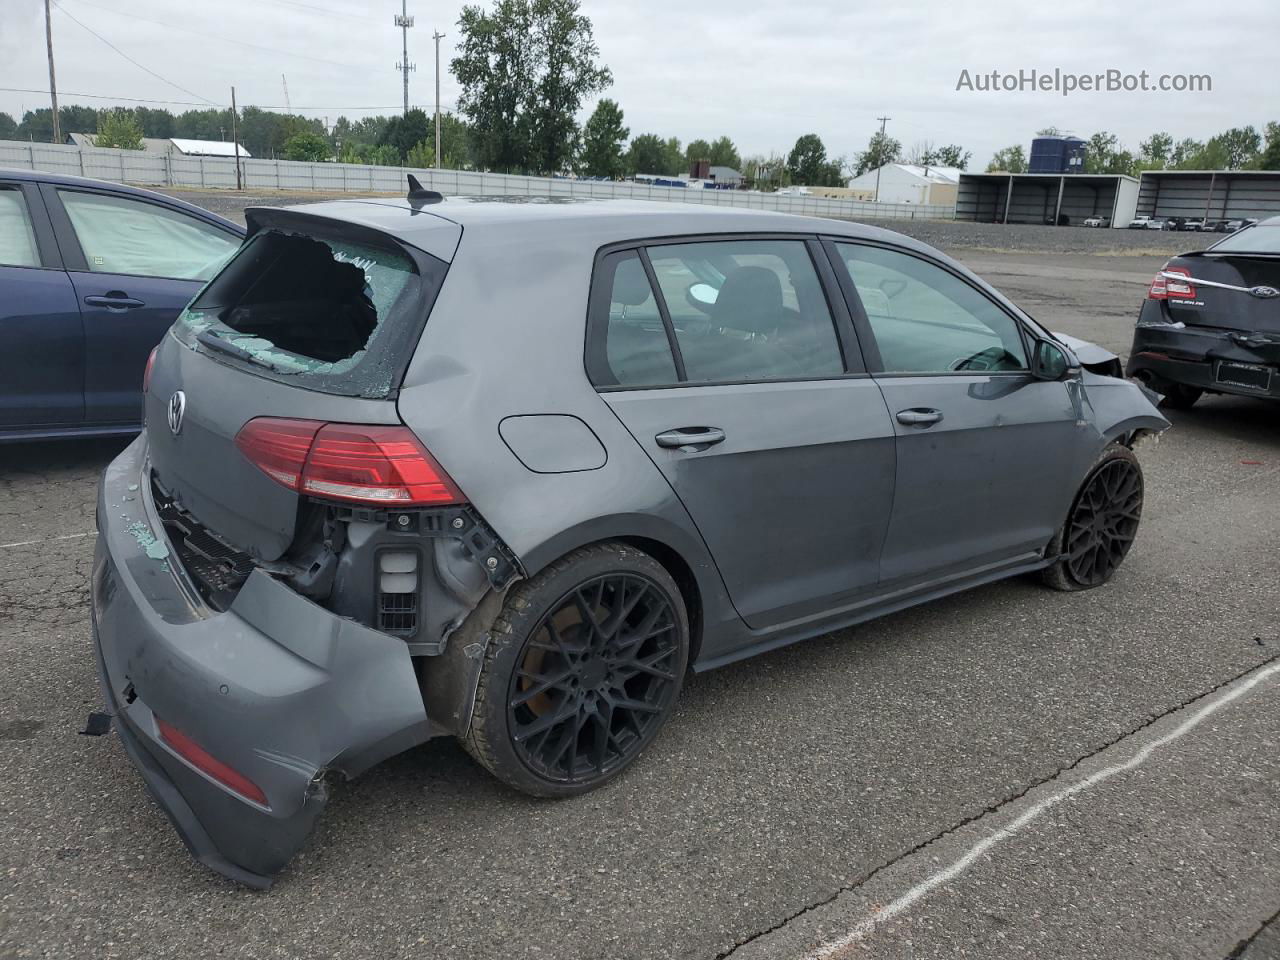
(1057, 155)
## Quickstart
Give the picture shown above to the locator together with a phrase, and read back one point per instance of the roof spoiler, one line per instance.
(418, 194)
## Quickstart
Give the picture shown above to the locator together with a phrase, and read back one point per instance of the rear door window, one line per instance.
(134, 237)
(326, 311)
(17, 237)
(747, 310)
(723, 311)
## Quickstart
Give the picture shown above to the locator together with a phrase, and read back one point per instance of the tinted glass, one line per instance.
(17, 239)
(747, 310)
(637, 352)
(1262, 238)
(120, 235)
(927, 320)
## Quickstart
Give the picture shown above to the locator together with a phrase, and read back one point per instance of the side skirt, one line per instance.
(880, 606)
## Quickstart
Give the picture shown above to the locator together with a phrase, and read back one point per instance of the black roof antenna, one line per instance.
(418, 194)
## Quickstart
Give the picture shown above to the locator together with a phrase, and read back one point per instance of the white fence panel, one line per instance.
(135, 166)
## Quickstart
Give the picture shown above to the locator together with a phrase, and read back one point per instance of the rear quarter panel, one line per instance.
(505, 339)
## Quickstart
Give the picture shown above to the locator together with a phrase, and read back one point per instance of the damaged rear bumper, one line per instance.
(276, 688)
(1193, 356)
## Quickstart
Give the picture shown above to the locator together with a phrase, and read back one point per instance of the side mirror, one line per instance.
(1052, 361)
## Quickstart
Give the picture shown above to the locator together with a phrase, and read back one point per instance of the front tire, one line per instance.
(582, 669)
(1101, 525)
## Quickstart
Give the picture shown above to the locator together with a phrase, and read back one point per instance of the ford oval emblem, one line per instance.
(177, 407)
(1265, 292)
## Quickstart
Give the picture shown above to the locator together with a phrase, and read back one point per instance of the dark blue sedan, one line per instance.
(91, 276)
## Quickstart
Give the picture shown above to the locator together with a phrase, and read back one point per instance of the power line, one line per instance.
(452, 108)
(214, 36)
(189, 93)
(324, 10)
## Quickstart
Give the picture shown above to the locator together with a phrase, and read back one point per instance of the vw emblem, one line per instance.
(1265, 293)
(177, 407)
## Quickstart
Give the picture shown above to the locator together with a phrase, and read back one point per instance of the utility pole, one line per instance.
(53, 83)
(438, 36)
(404, 22)
(883, 121)
(235, 139)
(285, 83)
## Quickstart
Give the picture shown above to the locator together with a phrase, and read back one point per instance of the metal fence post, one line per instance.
(202, 183)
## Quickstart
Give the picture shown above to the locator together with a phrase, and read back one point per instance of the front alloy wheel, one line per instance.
(583, 668)
(1102, 524)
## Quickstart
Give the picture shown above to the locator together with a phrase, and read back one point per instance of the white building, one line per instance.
(909, 183)
(175, 146)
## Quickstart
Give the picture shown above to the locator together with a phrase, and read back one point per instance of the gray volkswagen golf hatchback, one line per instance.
(506, 470)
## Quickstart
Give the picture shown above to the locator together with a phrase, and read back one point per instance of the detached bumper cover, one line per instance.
(277, 688)
(1188, 354)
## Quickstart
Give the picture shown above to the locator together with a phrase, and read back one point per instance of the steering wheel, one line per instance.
(988, 359)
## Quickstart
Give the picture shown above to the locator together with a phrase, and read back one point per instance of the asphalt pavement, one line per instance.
(792, 798)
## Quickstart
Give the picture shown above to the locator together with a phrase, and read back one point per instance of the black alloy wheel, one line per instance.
(595, 678)
(1104, 522)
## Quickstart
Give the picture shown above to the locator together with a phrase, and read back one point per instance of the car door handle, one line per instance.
(114, 301)
(690, 439)
(919, 417)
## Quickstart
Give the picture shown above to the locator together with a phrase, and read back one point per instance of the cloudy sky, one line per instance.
(689, 70)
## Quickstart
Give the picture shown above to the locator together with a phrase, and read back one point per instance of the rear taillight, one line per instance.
(278, 447)
(146, 371)
(1166, 288)
(208, 764)
(357, 463)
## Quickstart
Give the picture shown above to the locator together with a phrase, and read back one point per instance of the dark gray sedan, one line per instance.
(507, 470)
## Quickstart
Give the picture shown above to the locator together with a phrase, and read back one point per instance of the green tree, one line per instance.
(1049, 132)
(952, 155)
(524, 71)
(119, 129)
(1235, 149)
(421, 155)
(724, 154)
(1156, 151)
(1009, 160)
(603, 137)
(647, 154)
(697, 150)
(8, 127)
(307, 146)
(881, 149)
(1269, 159)
(673, 157)
(807, 161)
(404, 133)
(155, 122)
(1098, 151)
(1186, 154)
(455, 141)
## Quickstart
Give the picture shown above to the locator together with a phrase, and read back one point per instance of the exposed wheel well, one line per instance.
(682, 574)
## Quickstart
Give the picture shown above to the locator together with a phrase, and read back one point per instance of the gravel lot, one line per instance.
(790, 793)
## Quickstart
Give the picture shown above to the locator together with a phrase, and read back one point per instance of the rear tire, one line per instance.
(1181, 397)
(582, 669)
(1101, 525)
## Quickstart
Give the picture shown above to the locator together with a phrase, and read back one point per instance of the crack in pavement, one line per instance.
(1241, 949)
(995, 808)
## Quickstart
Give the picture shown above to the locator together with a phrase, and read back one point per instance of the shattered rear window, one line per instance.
(329, 313)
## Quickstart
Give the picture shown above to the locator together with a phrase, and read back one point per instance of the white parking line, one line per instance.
(69, 536)
(859, 932)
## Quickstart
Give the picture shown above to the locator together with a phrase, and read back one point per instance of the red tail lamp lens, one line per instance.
(1166, 288)
(278, 447)
(357, 463)
(371, 464)
(205, 762)
(146, 371)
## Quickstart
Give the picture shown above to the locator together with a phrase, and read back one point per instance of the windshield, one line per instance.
(329, 313)
(1260, 238)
